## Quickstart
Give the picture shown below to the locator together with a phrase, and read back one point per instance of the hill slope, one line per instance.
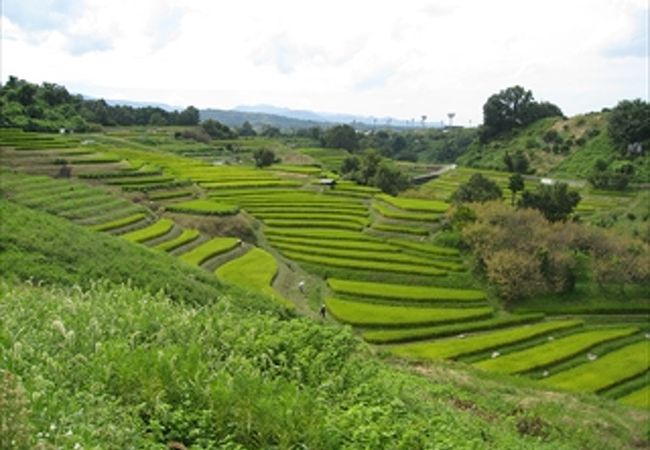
(146, 370)
(557, 147)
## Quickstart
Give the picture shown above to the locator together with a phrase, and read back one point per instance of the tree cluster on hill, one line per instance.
(49, 107)
(523, 254)
(556, 202)
(511, 108)
(372, 170)
(629, 126)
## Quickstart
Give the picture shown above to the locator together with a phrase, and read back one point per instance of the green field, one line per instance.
(403, 292)
(606, 371)
(160, 228)
(255, 270)
(185, 237)
(639, 398)
(369, 314)
(390, 336)
(455, 347)
(119, 223)
(213, 247)
(552, 352)
(203, 207)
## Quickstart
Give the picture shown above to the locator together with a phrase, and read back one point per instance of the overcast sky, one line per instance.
(377, 58)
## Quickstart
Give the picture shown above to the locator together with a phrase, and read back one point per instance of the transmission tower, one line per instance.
(451, 116)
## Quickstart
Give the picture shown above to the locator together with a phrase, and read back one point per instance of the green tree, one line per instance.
(369, 165)
(350, 164)
(629, 124)
(515, 184)
(511, 108)
(556, 202)
(264, 157)
(189, 116)
(217, 130)
(247, 129)
(390, 179)
(341, 136)
(477, 189)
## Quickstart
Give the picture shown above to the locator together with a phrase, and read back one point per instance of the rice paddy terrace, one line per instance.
(368, 256)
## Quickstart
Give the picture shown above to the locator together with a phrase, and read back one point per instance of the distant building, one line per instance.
(327, 182)
(547, 181)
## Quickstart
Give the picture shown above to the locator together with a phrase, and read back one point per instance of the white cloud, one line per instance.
(377, 58)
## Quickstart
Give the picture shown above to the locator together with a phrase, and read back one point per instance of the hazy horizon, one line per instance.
(365, 58)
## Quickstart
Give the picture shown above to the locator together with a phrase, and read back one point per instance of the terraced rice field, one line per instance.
(204, 207)
(436, 316)
(606, 371)
(552, 352)
(370, 314)
(184, 238)
(155, 230)
(451, 348)
(254, 270)
(401, 292)
(209, 249)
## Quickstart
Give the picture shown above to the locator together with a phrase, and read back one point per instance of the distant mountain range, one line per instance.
(283, 118)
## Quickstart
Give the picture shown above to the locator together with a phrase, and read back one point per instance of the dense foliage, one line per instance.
(477, 189)
(555, 202)
(629, 126)
(49, 107)
(511, 108)
(372, 170)
(525, 255)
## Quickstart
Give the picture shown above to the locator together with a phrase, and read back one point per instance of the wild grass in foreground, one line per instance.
(115, 367)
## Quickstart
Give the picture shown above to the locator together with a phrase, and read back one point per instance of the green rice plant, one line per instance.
(403, 229)
(403, 292)
(553, 351)
(307, 170)
(424, 247)
(372, 315)
(245, 184)
(98, 209)
(169, 194)
(153, 187)
(606, 371)
(323, 215)
(338, 224)
(348, 263)
(274, 212)
(639, 398)
(257, 270)
(476, 343)
(421, 333)
(119, 223)
(389, 257)
(404, 215)
(203, 207)
(207, 250)
(185, 237)
(414, 204)
(365, 245)
(348, 186)
(160, 228)
(156, 179)
(319, 233)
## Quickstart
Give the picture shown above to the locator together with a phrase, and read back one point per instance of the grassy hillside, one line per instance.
(109, 365)
(563, 148)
